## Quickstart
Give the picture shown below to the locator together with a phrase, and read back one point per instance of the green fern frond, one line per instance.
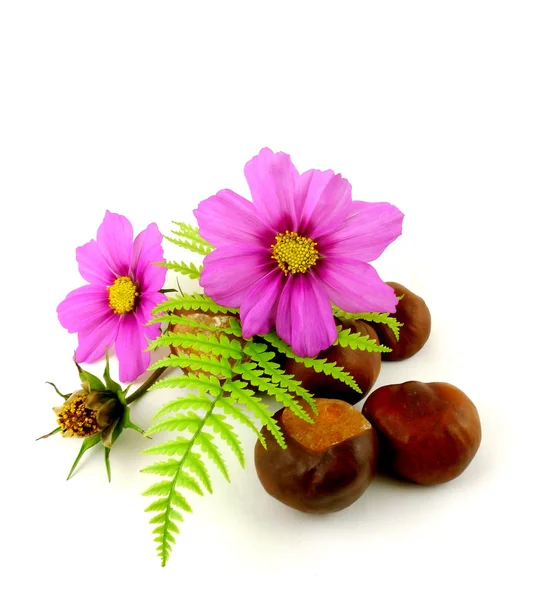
(206, 443)
(320, 365)
(190, 232)
(181, 422)
(356, 341)
(240, 393)
(230, 409)
(391, 322)
(194, 463)
(193, 301)
(257, 378)
(225, 431)
(220, 346)
(177, 446)
(174, 319)
(175, 470)
(187, 236)
(188, 245)
(196, 381)
(190, 401)
(205, 362)
(189, 270)
(259, 354)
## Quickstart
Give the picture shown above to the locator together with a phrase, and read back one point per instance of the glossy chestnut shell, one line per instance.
(327, 465)
(412, 311)
(364, 367)
(428, 432)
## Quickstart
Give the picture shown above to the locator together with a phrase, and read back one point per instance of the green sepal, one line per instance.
(93, 382)
(111, 433)
(126, 422)
(111, 385)
(122, 394)
(88, 443)
(64, 396)
(57, 430)
(116, 431)
(107, 464)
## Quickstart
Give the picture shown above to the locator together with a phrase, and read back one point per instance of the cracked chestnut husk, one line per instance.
(428, 432)
(327, 465)
(362, 365)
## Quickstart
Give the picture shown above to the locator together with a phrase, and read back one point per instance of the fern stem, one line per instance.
(180, 465)
(146, 385)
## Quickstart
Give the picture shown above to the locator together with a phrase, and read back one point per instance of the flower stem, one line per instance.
(146, 385)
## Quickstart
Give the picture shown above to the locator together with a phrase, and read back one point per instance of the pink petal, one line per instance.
(92, 265)
(230, 271)
(367, 231)
(228, 218)
(305, 319)
(355, 286)
(147, 250)
(130, 346)
(147, 302)
(331, 210)
(83, 307)
(115, 240)
(258, 308)
(272, 179)
(93, 340)
(309, 188)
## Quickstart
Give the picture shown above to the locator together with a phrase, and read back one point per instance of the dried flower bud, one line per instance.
(84, 415)
(98, 412)
(75, 418)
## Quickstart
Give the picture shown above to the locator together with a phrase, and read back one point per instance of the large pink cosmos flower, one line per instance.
(300, 245)
(123, 289)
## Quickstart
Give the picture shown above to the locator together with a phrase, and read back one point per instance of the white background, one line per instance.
(146, 108)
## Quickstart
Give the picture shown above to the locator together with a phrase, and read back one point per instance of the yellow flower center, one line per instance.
(75, 418)
(122, 295)
(294, 253)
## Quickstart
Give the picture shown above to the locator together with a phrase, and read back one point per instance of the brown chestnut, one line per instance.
(412, 311)
(327, 465)
(363, 365)
(428, 432)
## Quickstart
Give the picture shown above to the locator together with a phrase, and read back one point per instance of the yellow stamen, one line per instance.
(294, 253)
(75, 419)
(122, 295)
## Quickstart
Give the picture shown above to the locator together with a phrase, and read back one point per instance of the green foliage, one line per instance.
(221, 373)
(186, 236)
(189, 270)
(320, 365)
(192, 301)
(224, 376)
(391, 322)
(356, 341)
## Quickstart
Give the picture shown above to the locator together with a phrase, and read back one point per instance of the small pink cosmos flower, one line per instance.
(123, 289)
(300, 245)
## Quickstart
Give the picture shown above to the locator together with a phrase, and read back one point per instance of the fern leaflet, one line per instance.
(221, 346)
(193, 301)
(259, 354)
(166, 507)
(189, 270)
(197, 362)
(257, 378)
(356, 341)
(391, 322)
(320, 365)
(240, 393)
